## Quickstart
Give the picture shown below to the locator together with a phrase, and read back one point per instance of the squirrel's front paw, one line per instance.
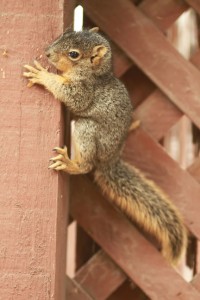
(36, 74)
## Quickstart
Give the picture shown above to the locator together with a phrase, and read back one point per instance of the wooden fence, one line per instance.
(114, 260)
(164, 87)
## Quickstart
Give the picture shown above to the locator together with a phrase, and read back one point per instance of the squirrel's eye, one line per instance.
(74, 54)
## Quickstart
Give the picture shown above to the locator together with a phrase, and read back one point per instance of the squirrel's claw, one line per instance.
(59, 157)
(61, 167)
(61, 161)
(28, 74)
(58, 166)
(36, 74)
(62, 151)
(32, 69)
(37, 69)
(32, 81)
(39, 66)
(30, 84)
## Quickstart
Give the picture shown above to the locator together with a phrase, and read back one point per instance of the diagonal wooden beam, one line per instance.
(138, 85)
(125, 245)
(121, 63)
(182, 188)
(129, 292)
(194, 4)
(175, 76)
(75, 292)
(195, 59)
(157, 106)
(196, 282)
(157, 114)
(100, 276)
(194, 169)
(163, 13)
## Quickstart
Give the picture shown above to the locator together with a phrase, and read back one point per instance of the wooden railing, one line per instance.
(164, 87)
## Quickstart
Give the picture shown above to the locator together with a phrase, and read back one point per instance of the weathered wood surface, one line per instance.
(129, 292)
(123, 243)
(163, 87)
(180, 81)
(100, 276)
(33, 200)
(196, 282)
(85, 247)
(75, 292)
(34, 217)
(139, 86)
(158, 166)
(163, 13)
(157, 114)
(194, 170)
(165, 113)
(194, 4)
(157, 104)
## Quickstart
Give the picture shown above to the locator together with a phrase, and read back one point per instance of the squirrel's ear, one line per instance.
(97, 53)
(94, 29)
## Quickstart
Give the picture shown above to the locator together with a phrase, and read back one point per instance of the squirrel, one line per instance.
(103, 110)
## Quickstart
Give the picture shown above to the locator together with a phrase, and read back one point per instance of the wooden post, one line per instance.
(33, 200)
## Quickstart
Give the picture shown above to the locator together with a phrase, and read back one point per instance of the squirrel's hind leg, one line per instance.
(84, 148)
(62, 162)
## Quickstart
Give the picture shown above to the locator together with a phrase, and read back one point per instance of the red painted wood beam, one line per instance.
(194, 4)
(33, 201)
(150, 50)
(143, 152)
(157, 114)
(74, 291)
(100, 276)
(163, 13)
(125, 245)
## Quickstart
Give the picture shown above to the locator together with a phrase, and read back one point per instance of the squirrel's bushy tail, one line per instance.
(144, 203)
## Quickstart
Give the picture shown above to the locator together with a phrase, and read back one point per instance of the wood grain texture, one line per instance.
(121, 63)
(33, 205)
(157, 106)
(75, 292)
(125, 245)
(182, 188)
(85, 247)
(194, 4)
(196, 282)
(138, 84)
(157, 114)
(175, 76)
(129, 292)
(100, 276)
(194, 170)
(163, 13)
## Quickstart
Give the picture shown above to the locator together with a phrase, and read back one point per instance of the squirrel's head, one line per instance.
(83, 52)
